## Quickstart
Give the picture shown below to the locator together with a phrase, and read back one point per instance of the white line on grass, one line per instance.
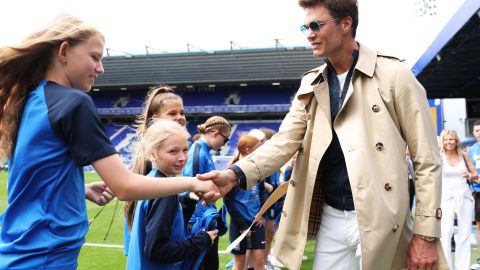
(102, 245)
(121, 246)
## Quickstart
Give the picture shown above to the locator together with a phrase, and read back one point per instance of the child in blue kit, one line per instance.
(214, 134)
(159, 238)
(243, 207)
(161, 103)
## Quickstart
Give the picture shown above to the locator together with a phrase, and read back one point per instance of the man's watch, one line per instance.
(426, 238)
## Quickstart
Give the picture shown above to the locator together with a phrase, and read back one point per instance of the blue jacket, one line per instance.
(200, 161)
(159, 238)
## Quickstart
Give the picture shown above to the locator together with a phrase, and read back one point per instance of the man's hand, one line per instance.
(98, 193)
(422, 254)
(225, 180)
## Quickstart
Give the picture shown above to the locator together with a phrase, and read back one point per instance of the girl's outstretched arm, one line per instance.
(129, 186)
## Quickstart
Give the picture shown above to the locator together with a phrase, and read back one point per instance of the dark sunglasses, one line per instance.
(225, 138)
(315, 26)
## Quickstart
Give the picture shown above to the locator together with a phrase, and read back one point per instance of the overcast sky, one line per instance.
(392, 26)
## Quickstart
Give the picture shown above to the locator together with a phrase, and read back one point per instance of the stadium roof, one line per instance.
(222, 67)
(451, 65)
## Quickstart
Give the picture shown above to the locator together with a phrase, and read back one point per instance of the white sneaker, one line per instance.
(275, 262)
(476, 266)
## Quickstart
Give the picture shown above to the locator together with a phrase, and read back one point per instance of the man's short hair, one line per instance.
(476, 123)
(337, 8)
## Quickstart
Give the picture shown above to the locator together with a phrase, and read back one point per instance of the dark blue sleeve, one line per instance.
(242, 179)
(74, 119)
(192, 168)
(188, 206)
(158, 226)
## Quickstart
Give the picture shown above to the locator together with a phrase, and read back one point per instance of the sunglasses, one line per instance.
(315, 26)
(225, 138)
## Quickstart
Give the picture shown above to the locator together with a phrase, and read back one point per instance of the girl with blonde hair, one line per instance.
(160, 239)
(161, 103)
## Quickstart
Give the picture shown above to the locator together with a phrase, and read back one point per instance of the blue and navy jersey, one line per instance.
(474, 153)
(45, 222)
(199, 159)
(159, 238)
(243, 205)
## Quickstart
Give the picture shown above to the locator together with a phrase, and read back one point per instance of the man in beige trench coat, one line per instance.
(380, 109)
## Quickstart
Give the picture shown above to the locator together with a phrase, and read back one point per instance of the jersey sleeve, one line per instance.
(74, 119)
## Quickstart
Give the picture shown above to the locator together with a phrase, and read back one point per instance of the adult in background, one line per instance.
(457, 171)
(350, 122)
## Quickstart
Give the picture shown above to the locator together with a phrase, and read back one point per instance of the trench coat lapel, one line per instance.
(323, 99)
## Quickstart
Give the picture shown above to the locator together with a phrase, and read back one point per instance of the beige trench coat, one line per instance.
(384, 111)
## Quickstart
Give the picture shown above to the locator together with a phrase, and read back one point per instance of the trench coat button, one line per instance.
(395, 228)
(375, 108)
(379, 146)
(309, 116)
(292, 182)
(284, 214)
(388, 187)
(300, 150)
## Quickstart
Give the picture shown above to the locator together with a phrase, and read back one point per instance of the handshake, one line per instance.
(208, 186)
(215, 184)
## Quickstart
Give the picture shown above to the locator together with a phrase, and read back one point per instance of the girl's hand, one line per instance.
(268, 187)
(193, 196)
(98, 193)
(260, 222)
(207, 190)
(213, 234)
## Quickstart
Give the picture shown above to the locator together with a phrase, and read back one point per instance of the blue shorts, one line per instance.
(274, 212)
(254, 240)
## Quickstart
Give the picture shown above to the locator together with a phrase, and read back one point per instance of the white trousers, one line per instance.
(338, 241)
(460, 203)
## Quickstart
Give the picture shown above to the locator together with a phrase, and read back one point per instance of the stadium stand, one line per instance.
(250, 88)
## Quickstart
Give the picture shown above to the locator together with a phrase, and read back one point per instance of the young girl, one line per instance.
(161, 103)
(457, 170)
(242, 207)
(49, 130)
(215, 133)
(159, 235)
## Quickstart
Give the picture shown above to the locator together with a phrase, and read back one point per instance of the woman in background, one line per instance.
(457, 198)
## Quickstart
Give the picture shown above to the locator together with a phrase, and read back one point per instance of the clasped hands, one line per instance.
(216, 184)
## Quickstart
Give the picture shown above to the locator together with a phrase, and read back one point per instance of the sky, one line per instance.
(397, 27)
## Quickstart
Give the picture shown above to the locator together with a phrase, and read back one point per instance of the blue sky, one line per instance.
(391, 26)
